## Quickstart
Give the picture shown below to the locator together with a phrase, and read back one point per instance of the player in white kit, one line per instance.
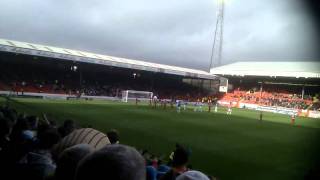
(229, 109)
(216, 108)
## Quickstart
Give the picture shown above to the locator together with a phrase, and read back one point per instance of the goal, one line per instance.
(132, 95)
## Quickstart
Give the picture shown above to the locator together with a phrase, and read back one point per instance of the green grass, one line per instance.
(229, 147)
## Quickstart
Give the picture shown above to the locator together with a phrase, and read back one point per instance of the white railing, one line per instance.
(56, 96)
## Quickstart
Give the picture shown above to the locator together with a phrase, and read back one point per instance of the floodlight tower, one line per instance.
(216, 52)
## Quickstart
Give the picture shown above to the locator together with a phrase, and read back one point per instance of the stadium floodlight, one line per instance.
(133, 95)
(216, 51)
(74, 68)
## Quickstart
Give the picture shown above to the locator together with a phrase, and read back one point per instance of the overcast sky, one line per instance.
(165, 31)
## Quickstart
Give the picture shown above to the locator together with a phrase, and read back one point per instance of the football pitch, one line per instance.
(235, 146)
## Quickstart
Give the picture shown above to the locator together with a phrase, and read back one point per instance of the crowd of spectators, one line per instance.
(270, 98)
(27, 151)
(184, 92)
(38, 78)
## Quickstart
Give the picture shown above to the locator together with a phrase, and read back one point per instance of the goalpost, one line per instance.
(132, 95)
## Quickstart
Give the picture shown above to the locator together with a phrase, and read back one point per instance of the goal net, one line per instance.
(132, 95)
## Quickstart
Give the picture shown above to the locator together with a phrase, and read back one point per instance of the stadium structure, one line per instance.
(301, 70)
(87, 72)
(239, 144)
(264, 85)
(50, 72)
(86, 57)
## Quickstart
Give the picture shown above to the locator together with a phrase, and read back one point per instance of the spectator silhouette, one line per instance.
(113, 136)
(6, 164)
(114, 162)
(69, 159)
(38, 164)
(151, 173)
(192, 175)
(179, 163)
(5, 130)
(67, 128)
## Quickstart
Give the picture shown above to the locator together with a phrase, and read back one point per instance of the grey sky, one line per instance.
(167, 31)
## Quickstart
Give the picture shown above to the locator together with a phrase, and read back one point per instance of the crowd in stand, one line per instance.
(185, 93)
(28, 144)
(36, 79)
(271, 98)
(267, 98)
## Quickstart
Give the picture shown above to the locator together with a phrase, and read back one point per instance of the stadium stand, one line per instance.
(279, 87)
(23, 74)
(298, 69)
(269, 99)
(55, 53)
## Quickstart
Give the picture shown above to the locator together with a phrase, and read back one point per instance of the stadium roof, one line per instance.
(81, 56)
(270, 69)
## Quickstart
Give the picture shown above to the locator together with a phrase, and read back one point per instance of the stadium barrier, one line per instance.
(57, 96)
(303, 113)
(314, 114)
(248, 106)
(279, 110)
(108, 98)
(227, 103)
(35, 95)
(273, 109)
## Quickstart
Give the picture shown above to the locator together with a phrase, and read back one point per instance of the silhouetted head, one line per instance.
(192, 175)
(48, 139)
(69, 159)
(69, 124)
(5, 128)
(33, 122)
(114, 162)
(113, 136)
(67, 127)
(180, 157)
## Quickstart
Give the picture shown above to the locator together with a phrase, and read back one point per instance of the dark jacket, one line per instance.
(37, 165)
